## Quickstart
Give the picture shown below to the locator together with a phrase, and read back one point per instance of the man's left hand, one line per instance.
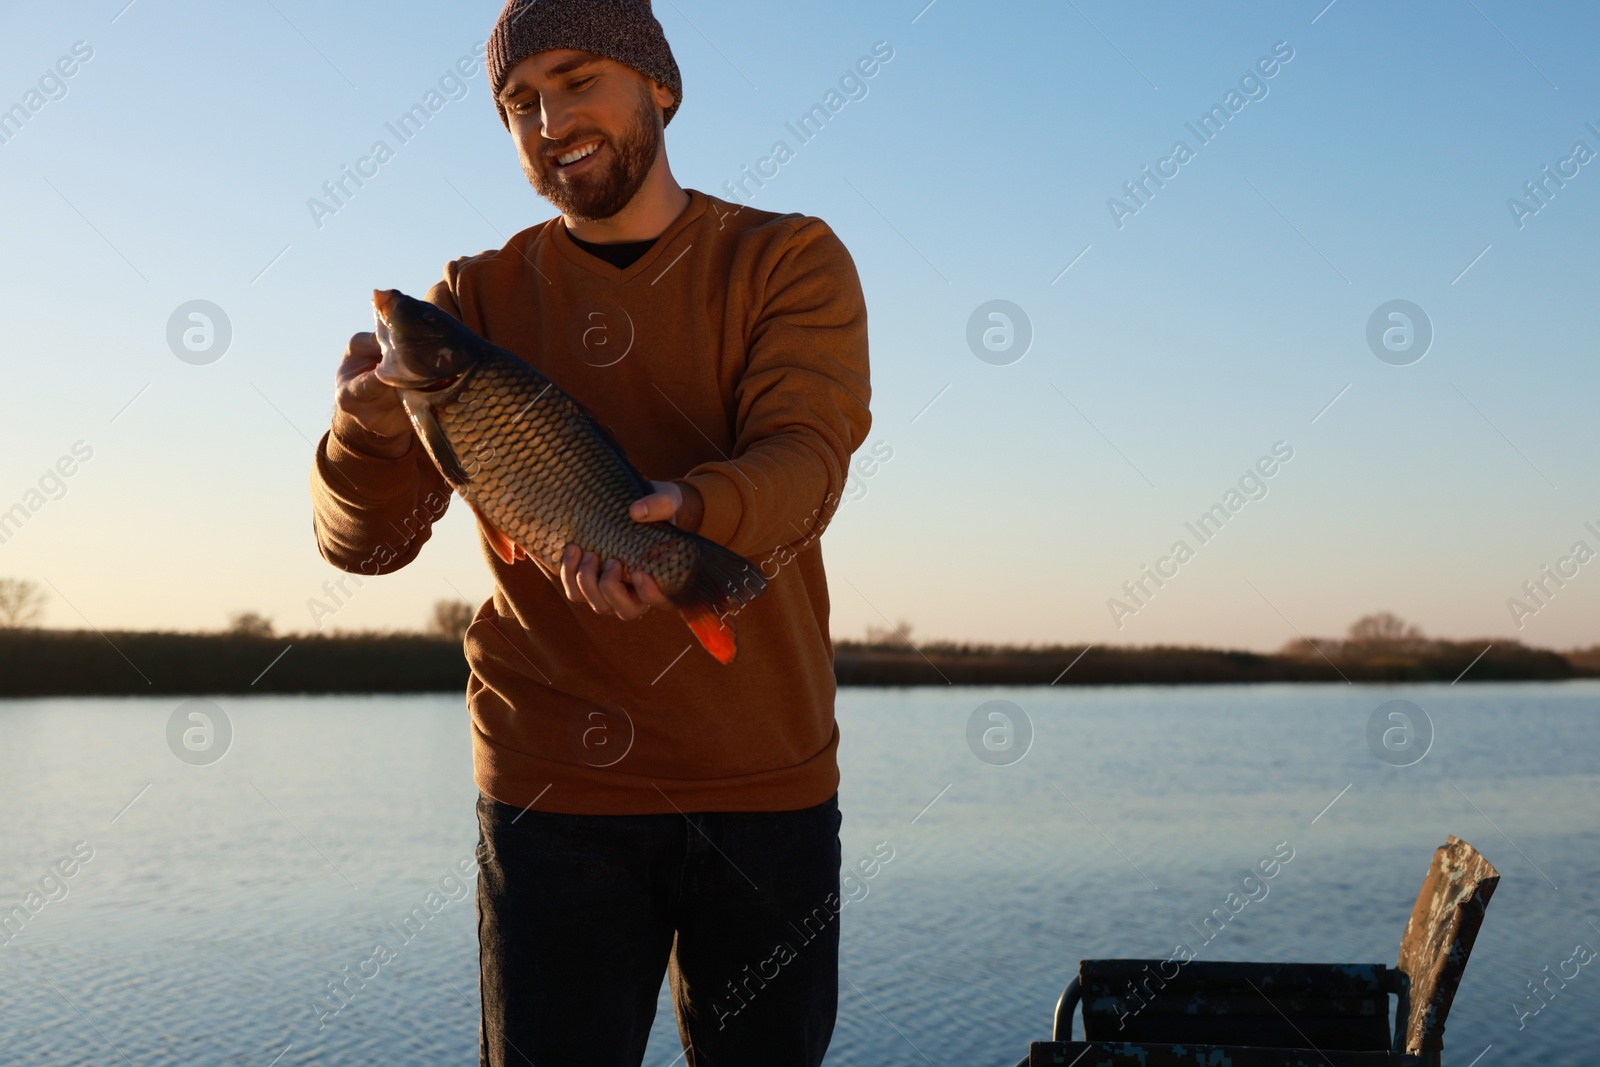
(604, 588)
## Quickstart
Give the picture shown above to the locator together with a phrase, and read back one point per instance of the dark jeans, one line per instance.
(580, 916)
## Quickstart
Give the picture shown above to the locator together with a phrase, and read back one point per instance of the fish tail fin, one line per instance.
(720, 584)
(717, 634)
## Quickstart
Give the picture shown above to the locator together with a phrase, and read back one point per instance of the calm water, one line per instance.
(216, 908)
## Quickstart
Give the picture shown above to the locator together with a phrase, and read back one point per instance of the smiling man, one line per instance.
(644, 811)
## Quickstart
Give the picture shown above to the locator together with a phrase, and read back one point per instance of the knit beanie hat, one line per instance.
(623, 30)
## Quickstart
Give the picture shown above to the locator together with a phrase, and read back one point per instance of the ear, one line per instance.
(661, 94)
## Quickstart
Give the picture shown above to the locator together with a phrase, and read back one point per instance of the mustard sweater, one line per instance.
(731, 356)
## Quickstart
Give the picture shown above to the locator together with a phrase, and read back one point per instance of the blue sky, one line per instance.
(1167, 356)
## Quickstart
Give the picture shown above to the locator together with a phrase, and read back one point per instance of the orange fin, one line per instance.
(719, 585)
(718, 634)
(508, 551)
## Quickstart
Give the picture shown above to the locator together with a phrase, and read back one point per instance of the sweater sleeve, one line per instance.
(801, 403)
(371, 513)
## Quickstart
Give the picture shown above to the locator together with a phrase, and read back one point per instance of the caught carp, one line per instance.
(541, 472)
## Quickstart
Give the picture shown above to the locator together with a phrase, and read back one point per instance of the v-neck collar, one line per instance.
(565, 247)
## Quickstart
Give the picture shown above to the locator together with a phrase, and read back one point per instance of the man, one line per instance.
(645, 810)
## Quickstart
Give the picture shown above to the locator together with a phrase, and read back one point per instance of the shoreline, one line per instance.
(46, 663)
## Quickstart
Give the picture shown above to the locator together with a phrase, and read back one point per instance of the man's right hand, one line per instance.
(373, 405)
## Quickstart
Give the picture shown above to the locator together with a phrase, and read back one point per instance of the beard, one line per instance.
(600, 195)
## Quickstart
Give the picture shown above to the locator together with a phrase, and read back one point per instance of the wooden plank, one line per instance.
(1439, 936)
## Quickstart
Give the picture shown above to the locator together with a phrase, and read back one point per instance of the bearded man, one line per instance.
(644, 811)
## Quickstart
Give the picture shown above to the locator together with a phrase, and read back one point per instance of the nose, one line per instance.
(555, 119)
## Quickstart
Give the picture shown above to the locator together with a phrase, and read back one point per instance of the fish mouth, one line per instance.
(395, 368)
(389, 374)
(438, 385)
(391, 369)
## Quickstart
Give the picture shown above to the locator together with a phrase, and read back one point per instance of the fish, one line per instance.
(541, 471)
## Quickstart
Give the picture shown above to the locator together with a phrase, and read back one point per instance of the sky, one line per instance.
(1152, 349)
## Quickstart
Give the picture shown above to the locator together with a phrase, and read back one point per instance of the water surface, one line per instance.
(220, 900)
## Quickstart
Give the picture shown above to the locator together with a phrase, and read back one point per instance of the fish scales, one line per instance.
(544, 478)
(540, 471)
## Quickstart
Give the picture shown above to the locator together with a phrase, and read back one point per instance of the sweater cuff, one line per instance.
(353, 451)
(721, 508)
(359, 440)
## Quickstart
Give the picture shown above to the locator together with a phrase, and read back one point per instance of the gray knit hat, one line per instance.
(623, 30)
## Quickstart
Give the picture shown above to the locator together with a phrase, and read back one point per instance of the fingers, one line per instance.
(580, 579)
(374, 405)
(659, 506)
(364, 346)
(618, 593)
(360, 356)
(571, 556)
(589, 584)
(355, 378)
(366, 386)
(648, 591)
(355, 375)
(608, 590)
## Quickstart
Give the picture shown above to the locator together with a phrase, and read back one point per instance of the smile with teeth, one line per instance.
(576, 154)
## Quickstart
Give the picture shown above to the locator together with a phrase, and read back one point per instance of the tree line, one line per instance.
(249, 658)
